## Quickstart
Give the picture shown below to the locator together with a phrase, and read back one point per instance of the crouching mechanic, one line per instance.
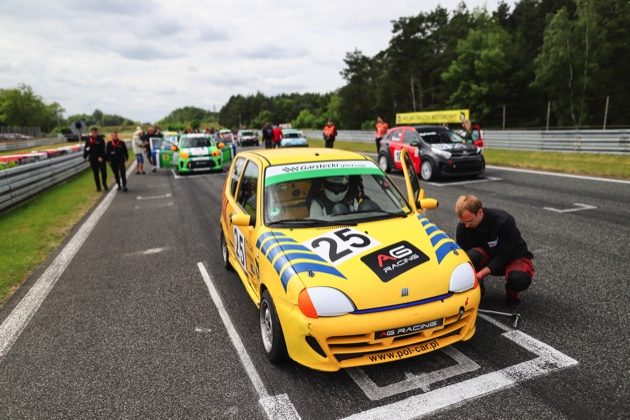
(495, 246)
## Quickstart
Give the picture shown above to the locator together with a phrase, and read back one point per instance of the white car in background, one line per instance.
(293, 138)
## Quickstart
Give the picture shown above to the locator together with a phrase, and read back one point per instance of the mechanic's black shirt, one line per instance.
(94, 148)
(116, 152)
(498, 235)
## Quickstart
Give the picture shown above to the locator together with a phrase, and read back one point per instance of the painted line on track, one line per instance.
(275, 406)
(585, 177)
(548, 360)
(21, 315)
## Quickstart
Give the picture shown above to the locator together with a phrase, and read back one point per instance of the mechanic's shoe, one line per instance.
(125, 189)
(511, 298)
(154, 170)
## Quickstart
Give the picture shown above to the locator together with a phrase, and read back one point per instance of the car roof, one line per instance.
(196, 135)
(295, 155)
(290, 130)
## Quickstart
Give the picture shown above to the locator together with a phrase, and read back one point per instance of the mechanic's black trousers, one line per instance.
(118, 168)
(96, 168)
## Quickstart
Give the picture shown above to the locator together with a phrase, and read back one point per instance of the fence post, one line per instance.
(503, 118)
(606, 111)
(548, 112)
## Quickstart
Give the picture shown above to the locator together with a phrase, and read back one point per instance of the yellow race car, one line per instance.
(345, 269)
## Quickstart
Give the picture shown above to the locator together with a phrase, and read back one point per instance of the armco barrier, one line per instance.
(22, 182)
(25, 144)
(593, 141)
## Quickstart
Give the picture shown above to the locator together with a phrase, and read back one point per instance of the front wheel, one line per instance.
(271, 330)
(224, 253)
(427, 170)
(383, 163)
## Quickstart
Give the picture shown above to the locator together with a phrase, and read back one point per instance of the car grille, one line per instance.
(346, 348)
(195, 164)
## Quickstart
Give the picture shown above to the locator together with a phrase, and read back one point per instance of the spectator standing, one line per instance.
(94, 151)
(137, 147)
(146, 140)
(277, 136)
(330, 133)
(381, 129)
(267, 135)
(117, 155)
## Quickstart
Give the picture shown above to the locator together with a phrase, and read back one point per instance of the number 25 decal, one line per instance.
(239, 248)
(340, 245)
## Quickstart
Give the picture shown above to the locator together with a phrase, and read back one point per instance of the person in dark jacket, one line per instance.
(116, 154)
(267, 135)
(146, 140)
(495, 246)
(94, 151)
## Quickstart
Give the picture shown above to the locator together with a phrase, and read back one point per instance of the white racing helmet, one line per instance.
(336, 187)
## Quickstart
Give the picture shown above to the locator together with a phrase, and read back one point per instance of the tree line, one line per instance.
(557, 62)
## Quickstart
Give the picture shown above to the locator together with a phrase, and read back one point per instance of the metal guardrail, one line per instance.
(25, 144)
(592, 141)
(22, 182)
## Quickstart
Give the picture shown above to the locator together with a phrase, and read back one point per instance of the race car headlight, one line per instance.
(324, 301)
(184, 155)
(462, 278)
(441, 153)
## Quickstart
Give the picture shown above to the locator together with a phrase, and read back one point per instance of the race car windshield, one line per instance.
(325, 193)
(188, 142)
(440, 136)
(291, 135)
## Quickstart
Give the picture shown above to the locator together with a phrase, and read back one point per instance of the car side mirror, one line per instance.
(428, 203)
(241, 220)
(414, 144)
(221, 145)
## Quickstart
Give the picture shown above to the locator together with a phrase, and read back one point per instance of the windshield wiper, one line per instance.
(310, 222)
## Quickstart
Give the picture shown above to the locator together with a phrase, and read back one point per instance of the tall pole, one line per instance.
(504, 117)
(548, 113)
(606, 111)
(413, 94)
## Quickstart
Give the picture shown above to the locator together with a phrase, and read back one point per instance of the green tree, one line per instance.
(305, 119)
(569, 59)
(477, 77)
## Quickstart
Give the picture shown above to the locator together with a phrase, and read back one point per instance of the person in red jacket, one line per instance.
(330, 133)
(277, 136)
(116, 154)
(381, 130)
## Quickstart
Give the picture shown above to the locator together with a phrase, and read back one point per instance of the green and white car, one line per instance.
(194, 153)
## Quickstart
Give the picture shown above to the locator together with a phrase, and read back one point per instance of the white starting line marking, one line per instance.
(579, 207)
(152, 251)
(423, 381)
(153, 197)
(275, 406)
(21, 315)
(175, 174)
(548, 360)
(472, 181)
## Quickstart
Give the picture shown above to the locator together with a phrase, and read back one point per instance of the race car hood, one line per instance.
(197, 151)
(457, 148)
(376, 264)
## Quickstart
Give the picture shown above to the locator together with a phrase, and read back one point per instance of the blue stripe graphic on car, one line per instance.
(293, 269)
(265, 236)
(282, 260)
(444, 249)
(273, 243)
(440, 251)
(280, 249)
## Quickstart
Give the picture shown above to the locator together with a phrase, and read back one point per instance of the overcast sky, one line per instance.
(143, 58)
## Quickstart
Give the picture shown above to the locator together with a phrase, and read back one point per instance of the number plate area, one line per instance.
(341, 245)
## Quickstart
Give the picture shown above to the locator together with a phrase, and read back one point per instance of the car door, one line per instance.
(229, 206)
(415, 193)
(411, 143)
(395, 147)
(244, 236)
(166, 152)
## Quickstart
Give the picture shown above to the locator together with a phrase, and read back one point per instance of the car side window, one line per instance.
(411, 137)
(431, 137)
(247, 189)
(236, 174)
(396, 135)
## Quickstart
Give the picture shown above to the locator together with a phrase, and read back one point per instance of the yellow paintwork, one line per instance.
(354, 278)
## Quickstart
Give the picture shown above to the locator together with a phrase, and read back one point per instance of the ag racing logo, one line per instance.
(392, 261)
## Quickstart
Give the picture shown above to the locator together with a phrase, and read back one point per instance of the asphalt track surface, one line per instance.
(130, 329)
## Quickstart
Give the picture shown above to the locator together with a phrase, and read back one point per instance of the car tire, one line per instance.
(224, 253)
(384, 162)
(271, 330)
(427, 169)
